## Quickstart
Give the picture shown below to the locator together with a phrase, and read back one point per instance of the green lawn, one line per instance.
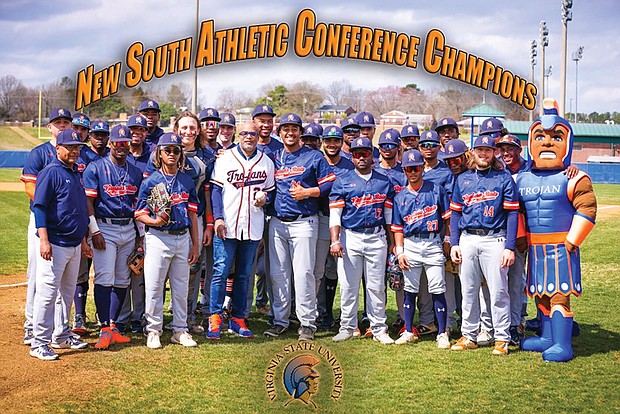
(10, 175)
(13, 242)
(607, 193)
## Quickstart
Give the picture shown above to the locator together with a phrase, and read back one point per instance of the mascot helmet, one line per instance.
(550, 139)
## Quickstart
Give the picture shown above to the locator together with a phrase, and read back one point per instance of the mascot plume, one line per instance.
(559, 214)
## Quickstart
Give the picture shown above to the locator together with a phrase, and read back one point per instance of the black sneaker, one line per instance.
(515, 335)
(275, 331)
(306, 333)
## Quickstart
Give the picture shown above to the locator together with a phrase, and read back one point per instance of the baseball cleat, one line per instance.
(70, 343)
(357, 333)
(485, 338)
(342, 336)
(368, 333)
(306, 333)
(383, 338)
(28, 337)
(79, 324)
(516, 334)
(183, 338)
(237, 326)
(105, 339)
(275, 331)
(427, 328)
(44, 353)
(117, 336)
(443, 341)
(464, 343)
(406, 338)
(136, 327)
(196, 328)
(501, 348)
(263, 310)
(153, 341)
(215, 327)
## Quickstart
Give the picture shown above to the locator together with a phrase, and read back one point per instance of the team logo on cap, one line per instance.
(100, 124)
(450, 148)
(410, 129)
(174, 138)
(151, 103)
(210, 112)
(485, 140)
(388, 135)
(291, 117)
(489, 124)
(265, 108)
(226, 118)
(360, 141)
(445, 121)
(75, 136)
(138, 120)
(61, 111)
(411, 156)
(366, 118)
(333, 131)
(121, 132)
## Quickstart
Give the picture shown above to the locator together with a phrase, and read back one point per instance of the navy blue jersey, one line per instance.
(340, 168)
(152, 138)
(38, 158)
(363, 202)
(114, 188)
(182, 192)
(306, 166)
(270, 148)
(59, 192)
(142, 160)
(440, 174)
(375, 155)
(88, 155)
(525, 166)
(396, 176)
(199, 166)
(421, 211)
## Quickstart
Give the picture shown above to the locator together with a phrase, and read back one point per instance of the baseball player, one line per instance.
(59, 208)
(139, 151)
(447, 129)
(170, 250)
(243, 182)
(210, 122)
(302, 176)
(149, 109)
(421, 211)
(39, 157)
(263, 116)
(99, 135)
(483, 232)
(409, 137)
(226, 139)
(81, 124)
(366, 121)
(361, 203)
(312, 135)
(350, 131)
(111, 185)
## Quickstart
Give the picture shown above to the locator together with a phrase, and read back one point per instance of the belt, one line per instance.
(117, 221)
(367, 230)
(424, 235)
(483, 232)
(177, 232)
(289, 219)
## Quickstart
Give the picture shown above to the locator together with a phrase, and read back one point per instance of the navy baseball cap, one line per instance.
(81, 119)
(509, 139)
(410, 131)
(263, 110)
(312, 130)
(411, 158)
(484, 141)
(60, 113)
(209, 113)
(429, 136)
(332, 131)
(290, 119)
(455, 148)
(446, 122)
(120, 133)
(361, 143)
(149, 104)
(365, 119)
(350, 122)
(136, 121)
(228, 119)
(169, 138)
(100, 126)
(491, 126)
(69, 137)
(389, 136)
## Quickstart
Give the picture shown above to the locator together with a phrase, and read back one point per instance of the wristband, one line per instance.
(93, 226)
(210, 219)
(446, 239)
(400, 250)
(334, 243)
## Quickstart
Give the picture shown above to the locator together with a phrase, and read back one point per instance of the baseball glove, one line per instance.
(136, 261)
(394, 273)
(159, 202)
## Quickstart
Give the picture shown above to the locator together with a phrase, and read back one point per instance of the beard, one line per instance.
(482, 165)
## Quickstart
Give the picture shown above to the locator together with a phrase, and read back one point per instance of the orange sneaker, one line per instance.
(501, 348)
(368, 333)
(463, 343)
(105, 339)
(215, 327)
(117, 336)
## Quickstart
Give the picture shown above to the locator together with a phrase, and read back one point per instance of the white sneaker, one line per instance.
(183, 338)
(484, 338)
(70, 343)
(342, 336)
(443, 341)
(406, 338)
(384, 338)
(153, 341)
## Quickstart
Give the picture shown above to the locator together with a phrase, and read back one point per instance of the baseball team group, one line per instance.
(216, 208)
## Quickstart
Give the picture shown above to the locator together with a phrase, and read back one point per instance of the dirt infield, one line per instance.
(19, 187)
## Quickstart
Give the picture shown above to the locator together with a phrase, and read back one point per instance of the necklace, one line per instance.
(169, 182)
(119, 172)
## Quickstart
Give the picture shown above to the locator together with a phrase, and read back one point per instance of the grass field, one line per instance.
(10, 175)
(230, 376)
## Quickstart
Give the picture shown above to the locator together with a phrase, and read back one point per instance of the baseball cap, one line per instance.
(209, 113)
(169, 138)
(149, 104)
(389, 136)
(81, 119)
(446, 122)
(509, 140)
(136, 121)
(490, 126)
(332, 131)
(361, 143)
(410, 131)
(412, 158)
(69, 137)
(263, 110)
(429, 136)
(100, 126)
(349, 122)
(290, 119)
(365, 119)
(60, 113)
(228, 119)
(312, 130)
(455, 148)
(484, 141)
(120, 133)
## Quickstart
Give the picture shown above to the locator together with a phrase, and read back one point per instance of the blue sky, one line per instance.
(46, 40)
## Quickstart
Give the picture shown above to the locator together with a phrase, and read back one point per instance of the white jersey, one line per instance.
(240, 179)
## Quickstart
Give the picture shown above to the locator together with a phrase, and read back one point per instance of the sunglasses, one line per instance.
(361, 154)
(429, 145)
(351, 131)
(407, 139)
(250, 133)
(388, 146)
(413, 168)
(454, 162)
(175, 151)
(494, 134)
(211, 124)
(120, 144)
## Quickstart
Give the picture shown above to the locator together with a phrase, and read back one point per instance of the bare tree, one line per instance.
(337, 92)
(304, 98)
(9, 97)
(229, 99)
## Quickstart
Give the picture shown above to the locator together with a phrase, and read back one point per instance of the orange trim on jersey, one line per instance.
(511, 205)
(388, 203)
(565, 312)
(521, 230)
(145, 174)
(396, 229)
(327, 178)
(546, 238)
(337, 204)
(92, 193)
(446, 214)
(28, 178)
(456, 207)
(579, 229)
(572, 183)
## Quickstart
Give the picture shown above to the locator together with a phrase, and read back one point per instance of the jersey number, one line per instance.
(432, 225)
(378, 213)
(489, 211)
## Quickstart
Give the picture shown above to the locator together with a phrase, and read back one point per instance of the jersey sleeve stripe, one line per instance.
(192, 207)
(270, 188)
(326, 179)
(336, 204)
(91, 192)
(456, 206)
(388, 203)
(446, 214)
(396, 229)
(214, 181)
(511, 205)
(28, 178)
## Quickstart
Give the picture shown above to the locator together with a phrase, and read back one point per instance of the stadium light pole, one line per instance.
(548, 73)
(544, 42)
(577, 55)
(567, 16)
(533, 54)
